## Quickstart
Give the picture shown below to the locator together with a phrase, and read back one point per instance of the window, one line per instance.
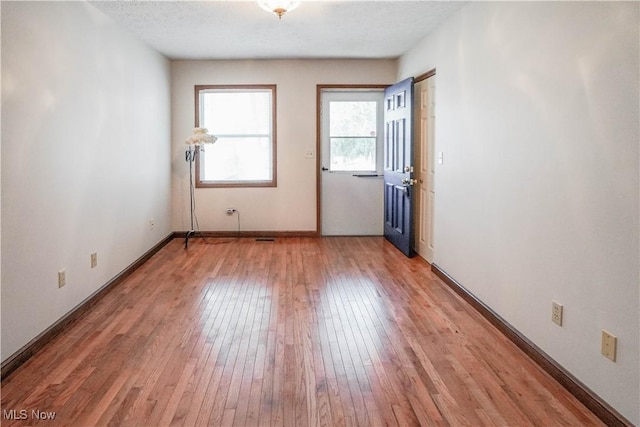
(352, 136)
(243, 118)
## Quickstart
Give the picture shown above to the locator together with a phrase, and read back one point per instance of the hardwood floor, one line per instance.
(300, 331)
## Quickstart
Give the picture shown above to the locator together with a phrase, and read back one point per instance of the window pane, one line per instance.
(352, 118)
(243, 120)
(237, 113)
(234, 159)
(352, 154)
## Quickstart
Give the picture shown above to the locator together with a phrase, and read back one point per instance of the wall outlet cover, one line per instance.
(556, 312)
(609, 345)
(62, 278)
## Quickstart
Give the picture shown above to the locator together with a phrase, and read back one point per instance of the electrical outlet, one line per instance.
(152, 223)
(556, 313)
(62, 278)
(94, 260)
(608, 345)
(230, 211)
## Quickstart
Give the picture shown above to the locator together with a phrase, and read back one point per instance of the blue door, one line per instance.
(398, 166)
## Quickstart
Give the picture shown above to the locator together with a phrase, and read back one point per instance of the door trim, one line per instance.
(319, 89)
(424, 76)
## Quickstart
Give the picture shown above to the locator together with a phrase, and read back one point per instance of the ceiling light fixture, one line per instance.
(279, 7)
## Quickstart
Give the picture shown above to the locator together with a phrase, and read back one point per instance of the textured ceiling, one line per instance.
(240, 29)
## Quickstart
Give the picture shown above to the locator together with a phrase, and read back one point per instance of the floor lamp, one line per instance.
(195, 142)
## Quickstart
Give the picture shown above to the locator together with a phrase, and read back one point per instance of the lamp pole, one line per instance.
(200, 136)
(190, 155)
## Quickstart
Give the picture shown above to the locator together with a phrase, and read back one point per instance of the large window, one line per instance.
(243, 118)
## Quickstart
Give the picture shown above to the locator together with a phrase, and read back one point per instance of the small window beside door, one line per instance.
(352, 136)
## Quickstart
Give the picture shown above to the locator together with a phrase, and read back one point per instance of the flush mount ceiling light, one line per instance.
(279, 7)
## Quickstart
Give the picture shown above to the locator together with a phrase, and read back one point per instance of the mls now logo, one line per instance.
(23, 414)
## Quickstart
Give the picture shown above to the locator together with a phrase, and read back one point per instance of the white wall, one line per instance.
(537, 199)
(292, 205)
(85, 158)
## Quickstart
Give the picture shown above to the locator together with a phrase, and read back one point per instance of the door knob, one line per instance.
(408, 181)
(325, 169)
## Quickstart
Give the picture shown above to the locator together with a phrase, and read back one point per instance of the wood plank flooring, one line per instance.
(296, 332)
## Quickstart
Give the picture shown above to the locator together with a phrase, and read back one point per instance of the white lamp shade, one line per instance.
(200, 136)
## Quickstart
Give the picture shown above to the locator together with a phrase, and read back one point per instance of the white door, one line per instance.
(425, 166)
(351, 202)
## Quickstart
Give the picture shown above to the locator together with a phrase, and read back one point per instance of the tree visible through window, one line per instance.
(243, 119)
(352, 135)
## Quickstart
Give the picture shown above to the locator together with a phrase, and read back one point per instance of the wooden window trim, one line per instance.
(239, 184)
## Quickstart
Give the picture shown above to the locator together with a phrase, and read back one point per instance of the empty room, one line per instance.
(320, 213)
